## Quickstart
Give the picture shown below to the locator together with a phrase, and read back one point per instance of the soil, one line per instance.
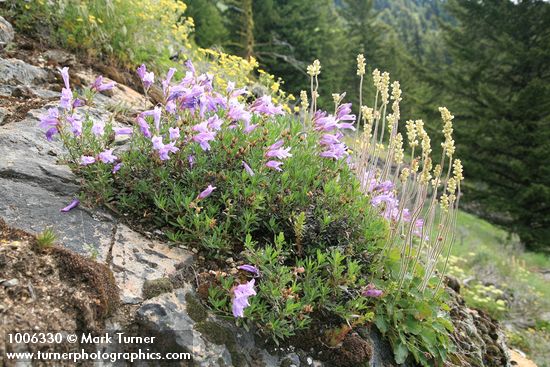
(49, 290)
(19, 106)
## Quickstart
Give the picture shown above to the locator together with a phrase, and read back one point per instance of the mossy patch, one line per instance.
(156, 287)
(195, 310)
(221, 335)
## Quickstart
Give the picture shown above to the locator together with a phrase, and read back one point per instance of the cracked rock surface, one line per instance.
(35, 186)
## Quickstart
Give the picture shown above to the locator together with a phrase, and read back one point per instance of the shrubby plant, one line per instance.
(318, 231)
(128, 31)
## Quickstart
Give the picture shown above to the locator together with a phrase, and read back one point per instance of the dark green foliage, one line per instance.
(291, 34)
(500, 83)
(210, 27)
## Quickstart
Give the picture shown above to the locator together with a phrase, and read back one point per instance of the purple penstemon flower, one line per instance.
(204, 135)
(86, 160)
(371, 291)
(76, 125)
(174, 133)
(50, 121)
(277, 151)
(276, 165)
(141, 71)
(107, 156)
(156, 113)
(250, 268)
(237, 112)
(248, 169)
(248, 128)
(144, 127)
(157, 142)
(117, 167)
(329, 139)
(191, 160)
(66, 100)
(241, 293)
(124, 131)
(389, 202)
(78, 103)
(98, 128)
(233, 93)
(190, 66)
(343, 113)
(265, 106)
(206, 192)
(167, 80)
(99, 86)
(215, 123)
(147, 78)
(170, 107)
(386, 186)
(167, 148)
(335, 151)
(71, 206)
(65, 75)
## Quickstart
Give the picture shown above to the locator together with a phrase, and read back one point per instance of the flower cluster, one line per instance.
(53, 120)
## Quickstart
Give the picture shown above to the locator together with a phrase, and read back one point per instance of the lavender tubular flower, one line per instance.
(117, 167)
(206, 192)
(50, 121)
(371, 291)
(99, 86)
(276, 165)
(167, 80)
(66, 100)
(71, 206)
(98, 129)
(241, 293)
(250, 268)
(76, 125)
(144, 127)
(124, 131)
(86, 160)
(107, 156)
(248, 169)
(168, 148)
(174, 133)
(147, 78)
(265, 106)
(65, 75)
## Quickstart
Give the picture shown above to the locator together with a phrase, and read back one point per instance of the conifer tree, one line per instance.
(500, 87)
(210, 29)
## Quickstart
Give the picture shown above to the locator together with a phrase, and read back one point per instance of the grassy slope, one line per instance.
(496, 268)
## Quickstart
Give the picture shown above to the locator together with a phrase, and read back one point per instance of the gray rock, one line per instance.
(136, 259)
(34, 189)
(167, 318)
(212, 343)
(6, 32)
(3, 114)
(11, 283)
(16, 73)
(60, 57)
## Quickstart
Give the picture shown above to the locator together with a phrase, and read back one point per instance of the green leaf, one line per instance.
(401, 352)
(381, 323)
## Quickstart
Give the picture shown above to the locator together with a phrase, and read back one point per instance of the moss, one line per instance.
(194, 308)
(97, 275)
(156, 287)
(221, 335)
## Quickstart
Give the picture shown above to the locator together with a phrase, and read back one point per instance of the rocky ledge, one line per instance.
(35, 185)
